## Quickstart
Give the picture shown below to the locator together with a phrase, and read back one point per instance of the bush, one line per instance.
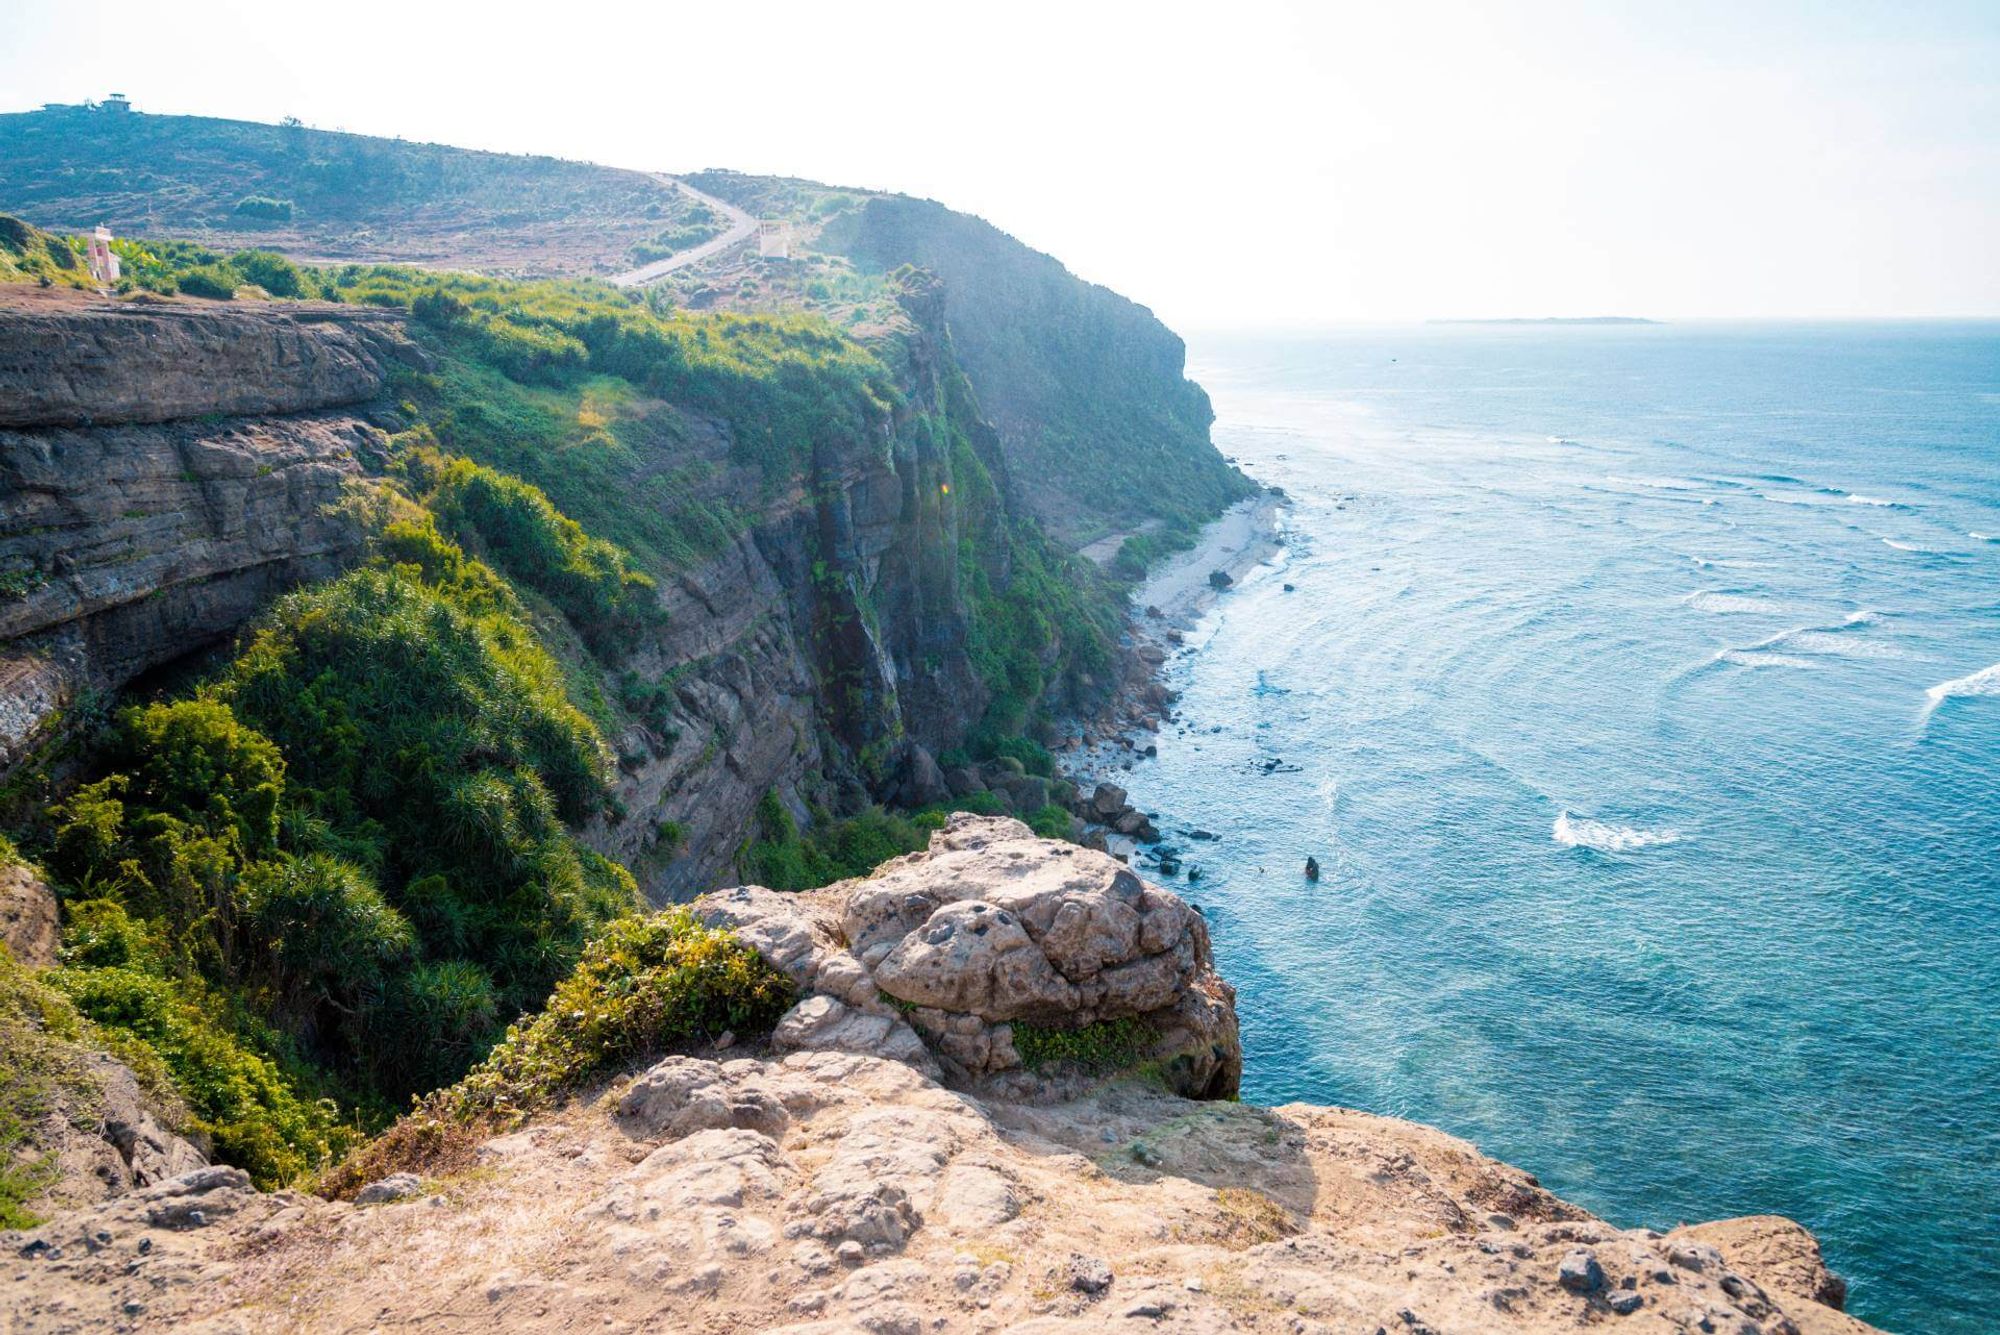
(427, 720)
(274, 273)
(217, 282)
(265, 208)
(255, 1116)
(1100, 1048)
(646, 984)
(593, 582)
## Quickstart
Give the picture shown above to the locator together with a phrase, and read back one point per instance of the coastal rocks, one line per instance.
(1108, 801)
(1580, 1272)
(939, 956)
(1779, 1253)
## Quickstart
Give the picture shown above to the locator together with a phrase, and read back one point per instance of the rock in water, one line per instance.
(1220, 579)
(1312, 869)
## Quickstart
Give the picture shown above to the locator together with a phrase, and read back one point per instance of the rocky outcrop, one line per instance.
(830, 629)
(939, 957)
(111, 363)
(123, 547)
(30, 926)
(826, 1193)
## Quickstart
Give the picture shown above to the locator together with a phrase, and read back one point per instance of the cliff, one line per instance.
(1100, 429)
(164, 472)
(851, 1177)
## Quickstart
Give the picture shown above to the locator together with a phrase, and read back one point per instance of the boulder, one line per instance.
(395, 1187)
(1220, 579)
(1776, 1252)
(964, 781)
(1108, 800)
(937, 956)
(918, 780)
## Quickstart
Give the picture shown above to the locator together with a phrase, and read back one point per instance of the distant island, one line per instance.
(1557, 319)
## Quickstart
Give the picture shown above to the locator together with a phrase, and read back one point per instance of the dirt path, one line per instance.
(741, 228)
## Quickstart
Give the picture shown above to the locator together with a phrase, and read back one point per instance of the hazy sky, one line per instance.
(1240, 163)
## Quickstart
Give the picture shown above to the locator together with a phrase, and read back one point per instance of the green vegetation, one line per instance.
(264, 208)
(782, 858)
(646, 985)
(30, 255)
(47, 1049)
(1100, 1048)
(342, 865)
(592, 581)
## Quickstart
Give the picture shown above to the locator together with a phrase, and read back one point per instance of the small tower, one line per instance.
(117, 103)
(774, 239)
(103, 262)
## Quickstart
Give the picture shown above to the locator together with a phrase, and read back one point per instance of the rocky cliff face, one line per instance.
(861, 1175)
(163, 474)
(832, 630)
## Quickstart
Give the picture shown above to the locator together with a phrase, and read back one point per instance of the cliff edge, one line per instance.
(865, 1170)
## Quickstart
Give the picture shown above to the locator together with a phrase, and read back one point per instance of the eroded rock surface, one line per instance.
(834, 1192)
(938, 956)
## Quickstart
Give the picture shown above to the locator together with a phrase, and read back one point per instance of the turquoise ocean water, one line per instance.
(1640, 695)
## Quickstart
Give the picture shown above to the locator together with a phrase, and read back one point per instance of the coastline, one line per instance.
(1167, 604)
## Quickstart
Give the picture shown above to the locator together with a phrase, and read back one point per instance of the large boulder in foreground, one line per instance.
(990, 942)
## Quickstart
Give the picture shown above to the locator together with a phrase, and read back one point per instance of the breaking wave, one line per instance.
(1986, 681)
(1580, 832)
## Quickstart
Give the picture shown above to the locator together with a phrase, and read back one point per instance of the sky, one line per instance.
(1249, 164)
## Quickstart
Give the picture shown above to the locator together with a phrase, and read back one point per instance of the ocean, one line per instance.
(1639, 694)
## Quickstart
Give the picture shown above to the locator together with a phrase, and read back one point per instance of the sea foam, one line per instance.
(1986, 681)
(1580, 832)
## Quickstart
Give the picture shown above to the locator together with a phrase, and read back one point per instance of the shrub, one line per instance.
(274, 273)
(1100, 1048)
(265, 208)
(239, 1098)
(646, 984)
(217, 282)
(325, 940)
(595, 583)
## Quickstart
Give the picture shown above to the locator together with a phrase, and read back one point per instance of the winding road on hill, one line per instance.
(741, 228)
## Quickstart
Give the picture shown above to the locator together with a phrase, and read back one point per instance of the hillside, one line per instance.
(324, 195)
(1102, 430)
(1099, 430)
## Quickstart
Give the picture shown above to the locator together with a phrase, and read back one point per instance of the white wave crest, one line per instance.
(1986, 681)
(1715, 600)
(1750, 658)
(1984, 537)
(1854, 498)
(1579, 832)
(1902, 546)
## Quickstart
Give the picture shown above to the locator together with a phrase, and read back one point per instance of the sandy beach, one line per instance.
(1245, 536)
